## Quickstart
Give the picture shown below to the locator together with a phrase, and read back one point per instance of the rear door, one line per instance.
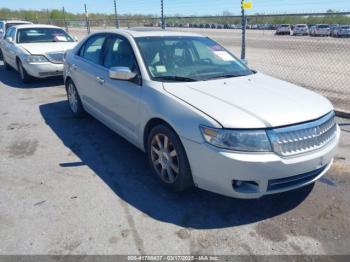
(86, 69)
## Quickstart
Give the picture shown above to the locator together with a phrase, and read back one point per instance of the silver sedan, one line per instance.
(201, 115)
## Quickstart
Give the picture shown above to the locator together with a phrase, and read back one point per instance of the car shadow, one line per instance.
(125, 170)
(12, 79)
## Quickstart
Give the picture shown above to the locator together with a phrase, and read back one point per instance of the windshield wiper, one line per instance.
(175, 78)
(225, 76)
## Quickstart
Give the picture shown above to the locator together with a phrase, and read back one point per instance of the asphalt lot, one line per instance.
(72, 186)
(318, 63)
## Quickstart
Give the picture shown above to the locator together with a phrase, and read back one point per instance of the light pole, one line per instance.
(243, 30)
(64, 18)
(162, 13)
(87, 19)
(48, 16)
(116, 14)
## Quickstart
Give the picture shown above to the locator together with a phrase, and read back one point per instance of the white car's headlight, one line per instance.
(36, 59)
(237, 140)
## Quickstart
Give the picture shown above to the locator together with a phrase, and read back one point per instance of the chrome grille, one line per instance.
(56, 57)
(302, 138)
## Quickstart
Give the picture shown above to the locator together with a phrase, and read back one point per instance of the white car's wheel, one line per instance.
(23, 73)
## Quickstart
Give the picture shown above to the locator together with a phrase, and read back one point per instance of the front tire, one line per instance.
(74, 100)
(23, 73)
(168, 158)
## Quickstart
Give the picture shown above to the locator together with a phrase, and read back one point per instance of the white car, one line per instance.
(342, 31)
(320, 30)
(201, 115)
(283, 30)
(300, 29)
(6, 24)
(35, 50)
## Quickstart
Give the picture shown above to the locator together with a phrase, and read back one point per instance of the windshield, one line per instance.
(284, 25)
(301, 26)
(41, 35)
(323, 26)
(345, 27)
(188, 59)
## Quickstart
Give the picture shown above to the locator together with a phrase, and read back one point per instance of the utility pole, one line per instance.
(87, 19)
(162, 13)
(48, 16)
(64, 18)
(116, 14)
(243, 30)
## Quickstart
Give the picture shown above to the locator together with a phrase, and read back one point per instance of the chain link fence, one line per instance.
(319, 63)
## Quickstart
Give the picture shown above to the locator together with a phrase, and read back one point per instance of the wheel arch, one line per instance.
(66, 80)
(151, 123)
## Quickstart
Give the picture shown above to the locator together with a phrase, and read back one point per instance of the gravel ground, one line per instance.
(318, 63)
(71, 186)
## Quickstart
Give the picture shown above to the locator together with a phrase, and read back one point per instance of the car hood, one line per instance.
(255, 101)
(45, 48)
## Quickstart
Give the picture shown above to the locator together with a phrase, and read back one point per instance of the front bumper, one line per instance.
(43, 70)
(217, 170)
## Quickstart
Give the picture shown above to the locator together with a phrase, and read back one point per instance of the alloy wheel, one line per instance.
(72, 98)
(165, 158)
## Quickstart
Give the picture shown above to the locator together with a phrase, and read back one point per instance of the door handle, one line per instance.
(74, 67)
(100, 80)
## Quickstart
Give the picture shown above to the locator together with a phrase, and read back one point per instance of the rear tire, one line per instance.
(167, 157)
(74, 100)
(23, 73)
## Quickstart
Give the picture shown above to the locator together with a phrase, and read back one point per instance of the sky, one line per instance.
(183, 7)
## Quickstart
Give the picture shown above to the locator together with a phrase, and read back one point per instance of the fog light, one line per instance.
(245, 186)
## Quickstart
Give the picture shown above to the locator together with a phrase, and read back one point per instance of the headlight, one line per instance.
(36, 59)
(237, 140)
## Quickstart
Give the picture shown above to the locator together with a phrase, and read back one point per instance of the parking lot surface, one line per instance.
(72, 186)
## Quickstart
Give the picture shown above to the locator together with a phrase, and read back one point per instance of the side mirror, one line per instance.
(244, 61)
(121, 73)
(75, 39)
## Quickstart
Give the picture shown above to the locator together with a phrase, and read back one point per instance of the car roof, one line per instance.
(16, 21)
(35, 26)
(145, 32)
